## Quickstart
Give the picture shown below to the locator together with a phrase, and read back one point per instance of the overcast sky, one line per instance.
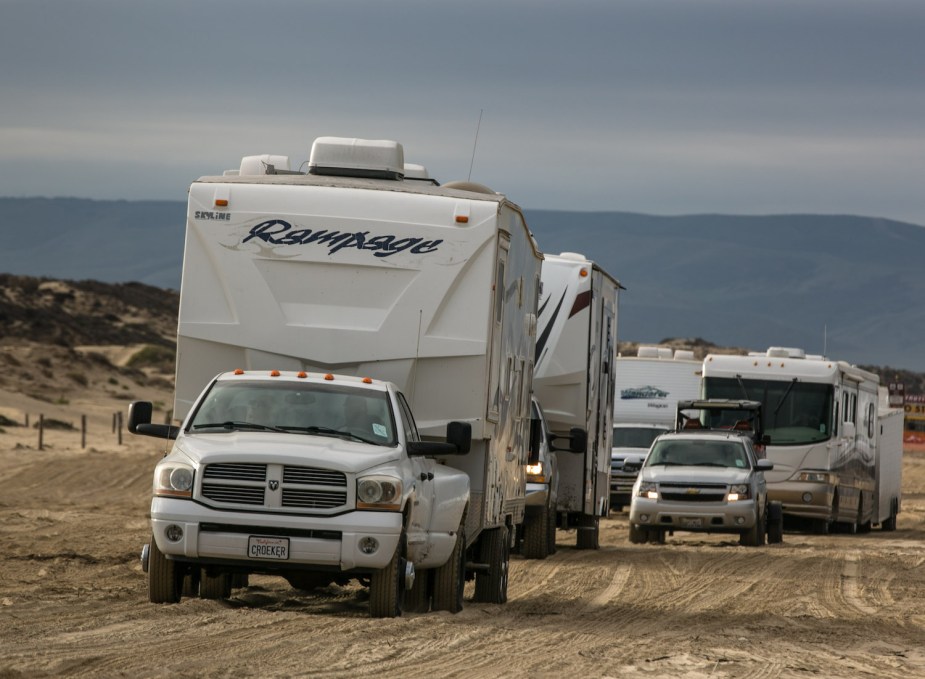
(655, 106)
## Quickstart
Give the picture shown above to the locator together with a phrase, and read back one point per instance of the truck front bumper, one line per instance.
(334, 542)
(709, 518)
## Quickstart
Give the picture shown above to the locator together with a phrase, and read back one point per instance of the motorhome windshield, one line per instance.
(794, 413)
(321, 410)
(635, 437)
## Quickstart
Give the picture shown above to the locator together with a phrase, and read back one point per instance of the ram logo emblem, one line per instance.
(273, 484)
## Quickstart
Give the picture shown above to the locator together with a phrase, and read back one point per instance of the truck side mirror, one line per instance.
(139, 422)
(460, 435)
(764, 465)
(536, 436)
(577, 440)
(633, 463)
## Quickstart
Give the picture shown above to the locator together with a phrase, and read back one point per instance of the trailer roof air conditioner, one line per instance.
(346, 157)
(785, 352)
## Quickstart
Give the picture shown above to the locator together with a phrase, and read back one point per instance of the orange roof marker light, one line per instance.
(221, 202)
(238, 371)
(302, 374)
(367, 380)
(329, 377)
(583, 272)
(274, 373)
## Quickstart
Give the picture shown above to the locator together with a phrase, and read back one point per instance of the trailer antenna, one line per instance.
(474, 144)
(825, 340)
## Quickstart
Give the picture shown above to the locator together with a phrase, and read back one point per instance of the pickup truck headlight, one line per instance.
(648, 490)
(174, 479)
(379, 492)
(740, 491)
(536, 473)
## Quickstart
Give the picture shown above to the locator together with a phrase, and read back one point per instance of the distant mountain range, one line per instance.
(847, 286)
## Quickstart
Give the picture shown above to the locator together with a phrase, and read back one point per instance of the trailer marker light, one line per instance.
(462, 219)
(238, 371)
(221, 202)
(367, 380)
(301, 373)
(274, 373)
(329, 377)
(583, 272)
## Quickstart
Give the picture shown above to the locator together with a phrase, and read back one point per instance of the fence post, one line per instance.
(41, 431)
(83, 431)
(119, 427)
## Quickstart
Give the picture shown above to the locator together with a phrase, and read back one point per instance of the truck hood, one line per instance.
(680, 474)
(622, 453)
(291, 449)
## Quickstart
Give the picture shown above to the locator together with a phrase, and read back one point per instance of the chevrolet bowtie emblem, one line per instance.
(693, 491)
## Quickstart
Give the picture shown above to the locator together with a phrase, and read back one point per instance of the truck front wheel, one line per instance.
(536, 533)
(165, 578)
(450, 578)
(491, 586)
(385, 587)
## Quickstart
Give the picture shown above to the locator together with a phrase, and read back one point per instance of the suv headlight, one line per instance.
(536, 473)
(648, 489)
(740, 491)
(174, 479)
(815, 477)
(379, 492)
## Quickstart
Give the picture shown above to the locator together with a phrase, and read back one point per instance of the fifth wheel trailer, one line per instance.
(833, 438)
(574, 381)
(354, 268)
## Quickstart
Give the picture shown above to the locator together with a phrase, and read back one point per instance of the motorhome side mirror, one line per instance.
(536, 434)
(139, 422)
(460, 435)
(764, 465)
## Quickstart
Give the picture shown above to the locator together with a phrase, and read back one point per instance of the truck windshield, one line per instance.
(704, 453)
(301, 408)
(794, 413)
(635, 437)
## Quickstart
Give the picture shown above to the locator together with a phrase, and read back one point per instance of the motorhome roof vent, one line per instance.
(785, 352)
(665, 352)
(684, 354)
(415, 171)
(647, 352)
(574, 256)
(345, 157)
(263, 164)
(469, 186)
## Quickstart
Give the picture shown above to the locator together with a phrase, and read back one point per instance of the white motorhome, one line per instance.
(835, 444)
(352, 268)
(648, 388)
(574, 381)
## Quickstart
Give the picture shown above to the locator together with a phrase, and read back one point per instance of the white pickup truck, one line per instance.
(315, 478)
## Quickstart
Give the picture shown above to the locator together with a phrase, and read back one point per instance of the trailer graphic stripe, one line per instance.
(280, 232)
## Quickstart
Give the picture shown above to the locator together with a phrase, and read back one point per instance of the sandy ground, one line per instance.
(73, 598)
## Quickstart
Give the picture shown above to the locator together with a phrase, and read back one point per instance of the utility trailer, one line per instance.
(832, 436)
(574, 381)
(363, 268)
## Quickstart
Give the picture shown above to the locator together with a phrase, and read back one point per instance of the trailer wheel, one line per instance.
(165, 579)
(551, 528)
(491, 587)
(385, 586)
(638, 535)
(890, 523)
(450, 578)
(536, 532)
(754, 536)
(214, 585)
(775, 523)
(589, 532)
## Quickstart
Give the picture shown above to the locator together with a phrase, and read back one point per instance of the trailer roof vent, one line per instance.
(785, 352)
(474, 187)
(263, 164)
(346, 157)
(574, 256)
(647, 352)
(684, 354)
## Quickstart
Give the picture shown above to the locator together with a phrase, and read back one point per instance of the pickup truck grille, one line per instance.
(683, 492)
(273, 486)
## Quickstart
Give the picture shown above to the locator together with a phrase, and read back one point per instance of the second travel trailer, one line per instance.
(835, 443)
(574, 381)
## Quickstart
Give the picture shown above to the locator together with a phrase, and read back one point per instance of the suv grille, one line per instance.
(684, 492)
(248, 484)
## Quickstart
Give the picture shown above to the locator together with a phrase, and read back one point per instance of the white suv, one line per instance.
(709, 481)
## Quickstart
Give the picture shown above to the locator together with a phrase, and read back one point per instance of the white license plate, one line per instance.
(692, 522)
(259, 547)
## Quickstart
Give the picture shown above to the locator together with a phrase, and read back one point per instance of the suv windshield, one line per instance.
(673, 452)
(292, 407)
